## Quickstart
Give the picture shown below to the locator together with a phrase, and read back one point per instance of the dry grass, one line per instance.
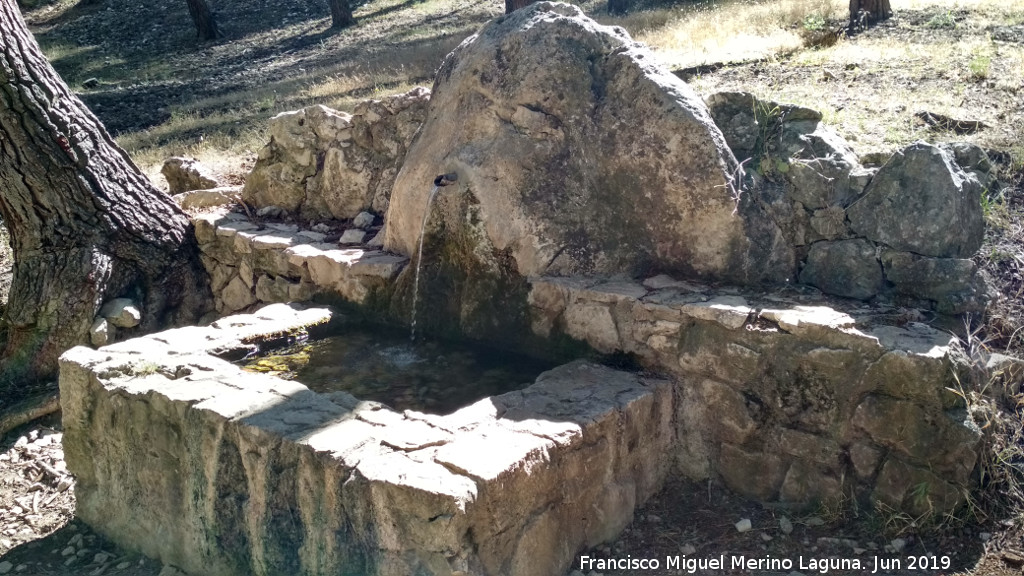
(728, 31)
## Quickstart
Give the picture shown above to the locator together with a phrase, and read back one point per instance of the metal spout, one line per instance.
(446, 179)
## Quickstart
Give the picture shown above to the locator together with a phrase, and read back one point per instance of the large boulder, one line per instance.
(321, 163)
(921, 201)
(577, 154)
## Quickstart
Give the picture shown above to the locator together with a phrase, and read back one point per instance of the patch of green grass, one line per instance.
(980, 67)
(942, 20)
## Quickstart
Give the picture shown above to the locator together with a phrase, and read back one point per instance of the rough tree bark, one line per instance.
(206, 25)
(341, 14)
(85, 224)
(863, 12)
(513, 5)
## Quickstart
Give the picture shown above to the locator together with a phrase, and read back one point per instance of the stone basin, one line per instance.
(183, 456)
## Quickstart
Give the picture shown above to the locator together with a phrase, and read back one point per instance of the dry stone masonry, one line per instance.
(322, 163)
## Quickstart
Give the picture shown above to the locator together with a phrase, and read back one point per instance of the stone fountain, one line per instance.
(736, 248)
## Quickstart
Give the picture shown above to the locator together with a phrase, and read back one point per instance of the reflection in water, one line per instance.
(374, 363)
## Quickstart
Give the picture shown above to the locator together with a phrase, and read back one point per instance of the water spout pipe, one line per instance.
(446, 179)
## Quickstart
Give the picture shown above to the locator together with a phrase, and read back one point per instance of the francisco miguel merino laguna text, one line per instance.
(691, 565)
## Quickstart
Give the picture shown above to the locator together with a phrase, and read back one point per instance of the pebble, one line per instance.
(743, 525)
(70, 560)
(75, 540)
(68, 551)
(815, 521)
(653, 519)
(687, 549)
(100, 557)
(766, 537)
(363, 220)
(985, 536)
(898, 544)
(21, 568)
(123, 565)
(785, 525)
(5, 567)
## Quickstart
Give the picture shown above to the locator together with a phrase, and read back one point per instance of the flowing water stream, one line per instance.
(419, 261)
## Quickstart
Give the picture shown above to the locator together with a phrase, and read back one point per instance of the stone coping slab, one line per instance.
(180, 454)
(276, 262)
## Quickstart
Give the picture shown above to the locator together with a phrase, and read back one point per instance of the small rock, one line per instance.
(321, 228)
(815, 521)
(90, 82)
(653, 519)
(687, 549)
(985, 536)
(101, 332)
(123, 565)
(363, 220)
(121, 312)
(270, 212)
(377, 241)
(64, 484)
(71, 560)
(83, 552)
(785, 525)
(68, 551)
(21, 568)
(185, 174)
(898, 544)
(743, 525)
(5, 567)
(352, 236)
(100, 557)
(170, 571)
(766, 537)
(859, 551)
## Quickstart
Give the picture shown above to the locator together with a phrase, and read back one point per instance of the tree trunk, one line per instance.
(341, 14)
(618, 7)
(864, 12)
(513, 5)
(85, 224)
(206, 26)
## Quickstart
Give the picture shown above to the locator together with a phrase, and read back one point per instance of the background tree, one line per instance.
(513, 5)
(863, 12)
(618, 7)
(85, 224)
(341, 14)
(206, 25)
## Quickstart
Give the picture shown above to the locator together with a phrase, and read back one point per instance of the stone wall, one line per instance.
(905, 231)
(831, 397)
(796, 399)
(321, 163)
(251, 264)
(183, 456)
